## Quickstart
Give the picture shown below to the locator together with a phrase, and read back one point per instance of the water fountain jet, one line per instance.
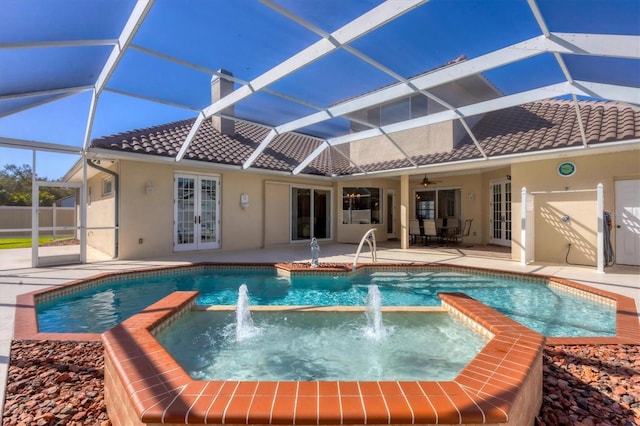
(375, 330)
(244, 323)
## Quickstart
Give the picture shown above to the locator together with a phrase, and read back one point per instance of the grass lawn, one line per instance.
(24, 242)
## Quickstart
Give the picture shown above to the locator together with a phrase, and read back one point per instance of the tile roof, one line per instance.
(536, 126)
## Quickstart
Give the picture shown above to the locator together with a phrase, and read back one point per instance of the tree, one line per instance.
(16, 188)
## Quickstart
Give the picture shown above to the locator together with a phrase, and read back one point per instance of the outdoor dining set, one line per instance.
(441, 231)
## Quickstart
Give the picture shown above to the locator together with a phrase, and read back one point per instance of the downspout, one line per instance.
(116, 182)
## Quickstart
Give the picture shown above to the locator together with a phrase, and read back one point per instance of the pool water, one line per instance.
(321, 346)
(549, 311)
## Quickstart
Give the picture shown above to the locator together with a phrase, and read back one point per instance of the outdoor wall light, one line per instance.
(244, 200)
(565, 218)
(471, 196)
(149, 188)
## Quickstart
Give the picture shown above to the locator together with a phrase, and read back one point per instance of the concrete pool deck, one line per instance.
(18, 277)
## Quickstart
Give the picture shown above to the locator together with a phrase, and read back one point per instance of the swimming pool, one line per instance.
(550, 310)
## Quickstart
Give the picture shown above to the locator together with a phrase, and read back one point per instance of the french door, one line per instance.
(500, 227)
(196, 212)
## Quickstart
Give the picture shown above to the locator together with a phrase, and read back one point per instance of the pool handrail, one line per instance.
(369, 237)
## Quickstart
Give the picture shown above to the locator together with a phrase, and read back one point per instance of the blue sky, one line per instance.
(248, 38)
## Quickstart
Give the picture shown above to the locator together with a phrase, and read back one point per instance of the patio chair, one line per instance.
(430, 230)
(450, 229)
(458, 237)
(414, 230)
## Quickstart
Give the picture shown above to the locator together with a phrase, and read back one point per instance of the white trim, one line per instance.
(137, 16)
(601, 225)
(58, 43)
(39, 146)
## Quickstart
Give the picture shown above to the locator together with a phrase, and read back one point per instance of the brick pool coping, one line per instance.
(627, 324)
(501, 385)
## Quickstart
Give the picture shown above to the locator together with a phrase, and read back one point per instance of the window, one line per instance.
(438, 204)
(361, 205)
(389, 113)
(395, 112)
(107, 186)
(426, 205)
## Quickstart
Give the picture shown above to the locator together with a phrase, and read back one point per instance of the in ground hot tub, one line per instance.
(502, 384)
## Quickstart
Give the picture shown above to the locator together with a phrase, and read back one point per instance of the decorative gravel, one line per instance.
(62, 383)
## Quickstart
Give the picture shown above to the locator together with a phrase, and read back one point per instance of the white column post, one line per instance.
(404, 211)
(523, 226)
(83, 211)
(600, 237)
(53, 220)
(34, 212)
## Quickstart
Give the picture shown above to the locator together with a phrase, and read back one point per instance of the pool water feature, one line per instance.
(303, 346)
(547, 309)
(320, 345)
(244, 327)
(145, 385)
(375, 330)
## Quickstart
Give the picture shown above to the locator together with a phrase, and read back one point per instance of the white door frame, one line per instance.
(501, 234)
(626, 222)
(391, 213)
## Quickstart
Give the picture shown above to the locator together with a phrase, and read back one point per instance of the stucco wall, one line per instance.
(552, 234)
(101, 213)
(276, 213)
(418, 141)
(146, 217)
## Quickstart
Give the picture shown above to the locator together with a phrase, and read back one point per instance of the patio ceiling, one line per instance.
(304, 66)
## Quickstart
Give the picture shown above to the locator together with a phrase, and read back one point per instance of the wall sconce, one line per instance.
(565, 218)
(471, 196)
(244, 200)
(149, 188)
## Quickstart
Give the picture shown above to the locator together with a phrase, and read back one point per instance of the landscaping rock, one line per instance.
(62, 383)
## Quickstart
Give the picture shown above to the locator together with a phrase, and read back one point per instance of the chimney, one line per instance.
(221, 87)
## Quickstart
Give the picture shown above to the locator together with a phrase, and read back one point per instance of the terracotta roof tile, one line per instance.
(536, 126)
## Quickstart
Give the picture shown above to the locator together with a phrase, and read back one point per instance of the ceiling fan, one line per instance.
(426, 181)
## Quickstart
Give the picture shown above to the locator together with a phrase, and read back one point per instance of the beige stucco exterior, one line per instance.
(147, 215)
(552, 234)
(146, 212)
(418, 141)
(101, 213)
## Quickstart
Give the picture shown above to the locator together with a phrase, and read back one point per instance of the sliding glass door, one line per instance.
(310, 213)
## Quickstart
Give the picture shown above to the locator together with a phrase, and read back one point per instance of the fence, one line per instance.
(15, 221)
